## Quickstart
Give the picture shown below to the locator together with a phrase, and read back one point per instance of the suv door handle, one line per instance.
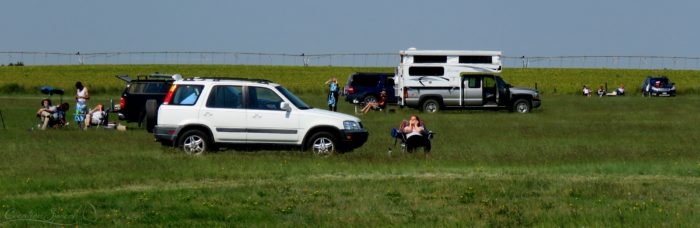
(208, 114)
(257, 116)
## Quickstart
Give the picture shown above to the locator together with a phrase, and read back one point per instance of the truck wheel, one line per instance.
(431, 106)
(522, 106)
(151, 115)
(195, 142)
(322, 143)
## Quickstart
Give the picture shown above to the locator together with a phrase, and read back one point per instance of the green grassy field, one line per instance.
(100, 78)
(613, 161)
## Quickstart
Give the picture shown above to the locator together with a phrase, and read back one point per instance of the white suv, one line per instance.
(199, 113)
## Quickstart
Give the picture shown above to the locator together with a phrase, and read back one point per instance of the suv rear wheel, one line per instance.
(151, 116)
(369, 98)
(322, 143)
(195, 142)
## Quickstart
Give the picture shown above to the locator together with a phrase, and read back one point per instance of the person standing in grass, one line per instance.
(333, 93)
(81, 98)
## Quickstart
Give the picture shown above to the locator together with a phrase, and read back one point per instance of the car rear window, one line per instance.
(186, 94)
(149, 87)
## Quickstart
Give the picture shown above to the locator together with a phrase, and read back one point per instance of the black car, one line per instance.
(658, 86)
(142, 97)
(365, 87)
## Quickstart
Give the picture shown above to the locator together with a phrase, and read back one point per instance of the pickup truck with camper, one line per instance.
(432, 80)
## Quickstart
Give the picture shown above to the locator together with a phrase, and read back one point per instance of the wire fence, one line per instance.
(333, 59)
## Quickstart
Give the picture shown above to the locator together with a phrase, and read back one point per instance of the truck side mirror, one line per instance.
(285, 106)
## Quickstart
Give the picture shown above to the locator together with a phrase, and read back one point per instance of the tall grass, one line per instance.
(101, 79)
(612, 161)
(309, 80)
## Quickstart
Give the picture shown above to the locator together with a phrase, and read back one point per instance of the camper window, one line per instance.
(429, 59)
(426, 71)
(476, 59)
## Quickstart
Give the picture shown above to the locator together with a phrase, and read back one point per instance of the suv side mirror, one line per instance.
(285, 106)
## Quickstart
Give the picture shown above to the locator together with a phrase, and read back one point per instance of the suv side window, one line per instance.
(225, 97)
(157, 87)
(149, 87)
(186, 94)
(135, 88)
(365, 81)
(263, 98)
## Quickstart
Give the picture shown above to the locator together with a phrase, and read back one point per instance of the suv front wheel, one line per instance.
(195, 142)
(322, 143)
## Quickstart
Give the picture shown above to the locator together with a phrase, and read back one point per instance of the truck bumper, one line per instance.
(536, 103)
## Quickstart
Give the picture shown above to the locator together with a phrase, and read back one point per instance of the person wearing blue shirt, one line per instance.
(334, 89)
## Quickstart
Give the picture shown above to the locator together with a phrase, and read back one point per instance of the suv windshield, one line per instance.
(294, 99)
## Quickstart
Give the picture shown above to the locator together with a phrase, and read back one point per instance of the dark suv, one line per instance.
(142, 97)
(658, 86)
(365, 87)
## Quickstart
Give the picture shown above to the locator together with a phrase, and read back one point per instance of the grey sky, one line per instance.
(538, 27)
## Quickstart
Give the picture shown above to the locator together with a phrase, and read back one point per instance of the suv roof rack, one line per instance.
(156, 75)
(262, 81)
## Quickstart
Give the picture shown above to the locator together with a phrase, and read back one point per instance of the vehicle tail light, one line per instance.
(405, 92)
(349, 90)
(122, 103)
(170, 94)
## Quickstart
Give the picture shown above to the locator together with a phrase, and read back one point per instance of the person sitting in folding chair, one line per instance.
(416, 135)
(96, 117)
(413, 135)
(46, 113)
(50, 116)
(376, 105)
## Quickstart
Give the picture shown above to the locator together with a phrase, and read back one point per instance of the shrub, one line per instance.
(12, 88)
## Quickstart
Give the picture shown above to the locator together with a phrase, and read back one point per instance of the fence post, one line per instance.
(3, 121)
